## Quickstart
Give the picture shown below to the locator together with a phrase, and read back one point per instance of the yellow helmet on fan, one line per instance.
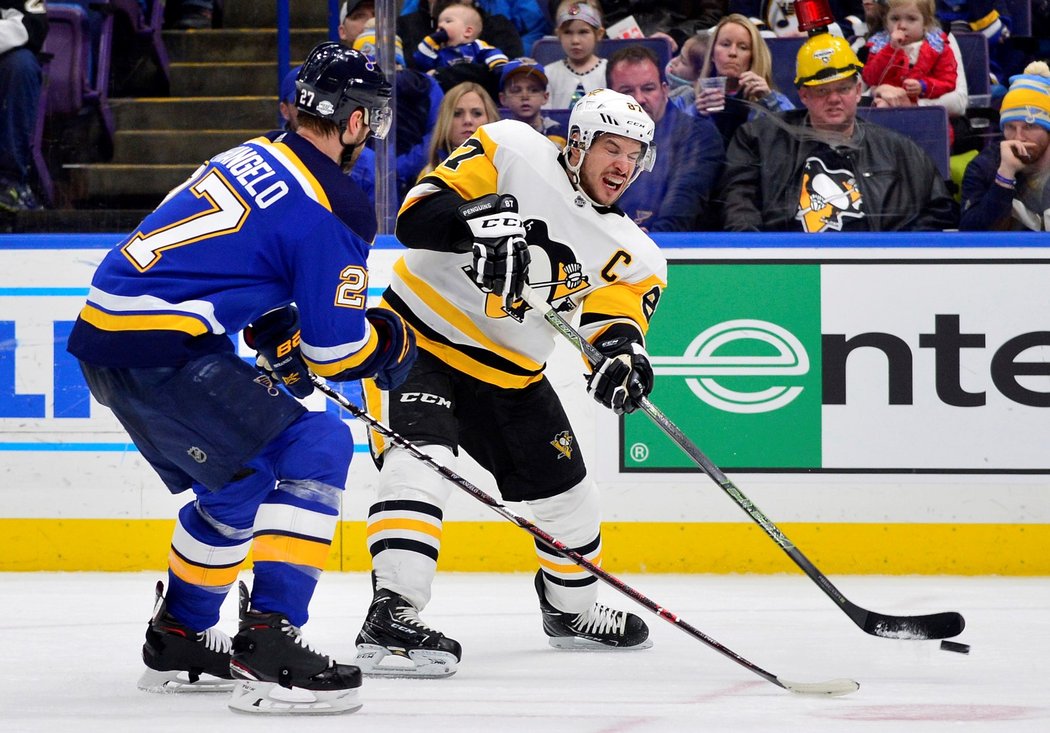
(825, 58)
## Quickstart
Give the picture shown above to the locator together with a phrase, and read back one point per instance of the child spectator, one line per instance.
(23, 26)
(456, 42)
(912, 52)
(523, 91)
(465, 108)
(684, 69)
(579, 28)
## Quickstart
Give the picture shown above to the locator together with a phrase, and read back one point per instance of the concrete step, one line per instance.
(210, 79)
(134, 186)
(175, 147)
(118, 221)
(304, 13)
(239, 44)
(196, 113)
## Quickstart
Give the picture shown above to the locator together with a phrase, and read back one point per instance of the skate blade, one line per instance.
(269, 698)
(176, 681)
(379, 661)
(580, 644)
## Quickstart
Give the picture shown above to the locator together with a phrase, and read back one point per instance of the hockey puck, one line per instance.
(954, 646)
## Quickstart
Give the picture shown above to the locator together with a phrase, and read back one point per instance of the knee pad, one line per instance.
(573, 516)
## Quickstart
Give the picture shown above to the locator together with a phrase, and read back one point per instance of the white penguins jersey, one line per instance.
(583, 257)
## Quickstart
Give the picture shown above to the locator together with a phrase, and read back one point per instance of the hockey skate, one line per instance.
(180, 660)
(278, 673)
(394, 642)
(598, 629)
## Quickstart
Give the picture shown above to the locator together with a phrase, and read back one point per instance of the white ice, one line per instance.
(69, 644)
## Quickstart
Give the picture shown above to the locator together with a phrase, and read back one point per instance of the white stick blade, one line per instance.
(831, 688)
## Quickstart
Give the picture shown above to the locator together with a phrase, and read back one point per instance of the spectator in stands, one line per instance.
(457, 41)
(191, 14)
(419, 17)
(418, 99)
(1007, 186)
(912, 53)
(741, 55)
(465, 108)
(23, 26)
(874, 21)
(523, 91)
(825, 169)
(675, 195)
(454, 52)
(991, 18)
(578, 26)
(684, 69)
(675, 20)
(354, 15)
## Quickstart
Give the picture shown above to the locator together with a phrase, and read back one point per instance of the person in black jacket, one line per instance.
(23, 26)
(822, 169)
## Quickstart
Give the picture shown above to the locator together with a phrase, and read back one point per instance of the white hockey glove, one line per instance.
(621, 379)
(501, 254)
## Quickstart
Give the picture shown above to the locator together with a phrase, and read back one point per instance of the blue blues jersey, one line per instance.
(270, 222)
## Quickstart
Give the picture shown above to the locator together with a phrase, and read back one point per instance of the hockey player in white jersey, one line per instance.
(508, 207)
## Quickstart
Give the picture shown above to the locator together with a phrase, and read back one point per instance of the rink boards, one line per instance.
(886, 403)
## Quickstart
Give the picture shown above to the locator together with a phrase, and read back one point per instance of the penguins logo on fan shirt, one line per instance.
(828, 198)
(563, 444)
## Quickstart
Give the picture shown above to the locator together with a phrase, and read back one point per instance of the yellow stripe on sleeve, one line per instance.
(142, 321)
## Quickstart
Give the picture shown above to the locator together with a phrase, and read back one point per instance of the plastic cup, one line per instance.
(717, 83)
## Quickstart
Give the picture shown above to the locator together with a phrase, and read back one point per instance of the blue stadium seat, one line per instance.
(1020, 17)
(974, 49)
(784, 52)
(927, 126)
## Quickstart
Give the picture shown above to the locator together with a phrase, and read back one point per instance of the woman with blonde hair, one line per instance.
(738, 52)
(465, 108)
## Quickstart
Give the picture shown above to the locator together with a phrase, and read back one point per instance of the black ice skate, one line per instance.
(394, 642)
(277, 673)
(181, 660)
(598, 629)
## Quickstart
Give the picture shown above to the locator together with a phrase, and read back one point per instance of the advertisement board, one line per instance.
(867, 364)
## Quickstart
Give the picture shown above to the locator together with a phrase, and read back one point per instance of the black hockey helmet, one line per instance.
(335, 80)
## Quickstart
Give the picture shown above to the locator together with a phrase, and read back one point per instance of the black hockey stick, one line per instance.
(932, 626)
(830, 688)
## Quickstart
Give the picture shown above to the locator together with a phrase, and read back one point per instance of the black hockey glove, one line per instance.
(275, 336)
(623, 377)
(501, 254)
(397, 348)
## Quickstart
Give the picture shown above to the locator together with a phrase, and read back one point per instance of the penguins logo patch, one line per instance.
(563, 444)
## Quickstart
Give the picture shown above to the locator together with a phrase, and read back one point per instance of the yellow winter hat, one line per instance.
(1029, 97)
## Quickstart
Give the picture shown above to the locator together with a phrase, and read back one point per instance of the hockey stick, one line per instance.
(830, 688)
(932, 626)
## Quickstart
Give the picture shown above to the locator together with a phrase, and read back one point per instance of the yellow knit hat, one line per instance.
(1029, 97)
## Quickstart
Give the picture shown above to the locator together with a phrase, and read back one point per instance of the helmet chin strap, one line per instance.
(574, 172)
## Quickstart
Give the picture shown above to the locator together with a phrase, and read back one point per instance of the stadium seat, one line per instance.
(147, 26)
(784, 52)
(1020, 17)
(974, 50)
(71, 86)
(547, 50)
(927, 126)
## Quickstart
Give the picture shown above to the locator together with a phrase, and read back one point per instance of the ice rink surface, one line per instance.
(70, 649)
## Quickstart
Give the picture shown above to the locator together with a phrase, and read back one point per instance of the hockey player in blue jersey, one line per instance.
(270, 237)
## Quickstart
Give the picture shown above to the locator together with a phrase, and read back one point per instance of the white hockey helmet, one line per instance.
(606, 111)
